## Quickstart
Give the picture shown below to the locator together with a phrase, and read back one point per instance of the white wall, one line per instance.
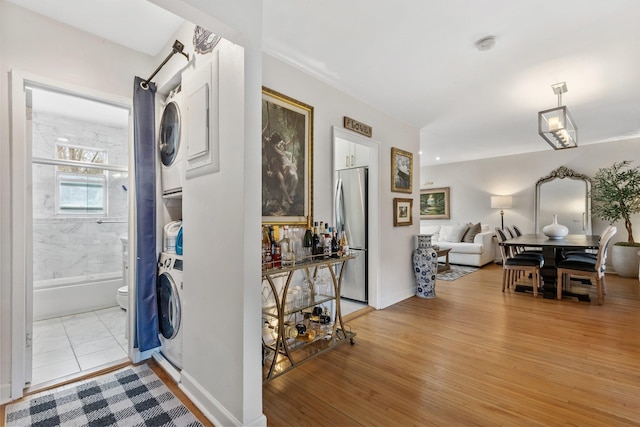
(330, 106)
(473, 183)
(223, 371)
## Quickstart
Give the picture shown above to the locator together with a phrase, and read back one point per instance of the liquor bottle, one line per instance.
(277, 257)
(320, 249)
(315, 245)
(286, 248)
(335, 246)
(275, 246)
(267, 262)
(307, 240)
(344, 243)
(326, 243)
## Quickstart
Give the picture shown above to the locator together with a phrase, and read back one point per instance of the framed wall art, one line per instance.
(434, 203)
(402, 212)
(287, 159)
(401, 170)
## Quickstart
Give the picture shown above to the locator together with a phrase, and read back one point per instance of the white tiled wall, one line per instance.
(76, 246)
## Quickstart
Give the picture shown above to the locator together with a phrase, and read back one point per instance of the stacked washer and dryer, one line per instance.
(169, 283)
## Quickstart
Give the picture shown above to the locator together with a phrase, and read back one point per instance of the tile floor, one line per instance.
(67, 345)
(348, 306)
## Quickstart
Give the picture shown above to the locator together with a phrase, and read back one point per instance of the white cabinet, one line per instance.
(201, 88)
(349, 154)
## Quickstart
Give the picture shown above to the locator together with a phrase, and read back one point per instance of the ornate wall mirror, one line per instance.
(566, 193)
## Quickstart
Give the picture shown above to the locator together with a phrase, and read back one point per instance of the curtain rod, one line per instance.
(178, 47)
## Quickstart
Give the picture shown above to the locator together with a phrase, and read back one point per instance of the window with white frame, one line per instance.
(80, 189)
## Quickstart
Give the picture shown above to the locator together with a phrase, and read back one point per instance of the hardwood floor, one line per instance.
(472, 356)
(476, 356)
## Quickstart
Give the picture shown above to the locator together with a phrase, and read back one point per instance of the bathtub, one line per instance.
(72, 295)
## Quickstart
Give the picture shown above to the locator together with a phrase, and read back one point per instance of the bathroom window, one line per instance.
(81, 189)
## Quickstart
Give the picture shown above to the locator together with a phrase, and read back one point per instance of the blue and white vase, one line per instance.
(425, 267)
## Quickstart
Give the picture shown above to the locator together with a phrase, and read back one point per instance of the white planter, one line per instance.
(624, 260)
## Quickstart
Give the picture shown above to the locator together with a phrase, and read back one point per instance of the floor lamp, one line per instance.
(502, 203)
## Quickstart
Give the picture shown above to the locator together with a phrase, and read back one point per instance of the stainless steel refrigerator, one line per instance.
(351, 204)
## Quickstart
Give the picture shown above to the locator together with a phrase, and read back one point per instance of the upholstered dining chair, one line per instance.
(514, 265)
(517, 230)
(584, 266)
(522, 250)
(583, 252)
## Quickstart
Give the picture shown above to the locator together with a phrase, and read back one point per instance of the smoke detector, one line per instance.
(485, 43)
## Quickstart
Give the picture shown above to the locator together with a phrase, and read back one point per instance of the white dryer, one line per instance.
(169, 296)
(172, 144)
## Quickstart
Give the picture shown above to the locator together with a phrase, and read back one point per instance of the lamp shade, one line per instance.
(501, 202)
(558, 128)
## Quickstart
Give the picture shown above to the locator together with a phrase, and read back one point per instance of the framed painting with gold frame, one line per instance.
(287, 159)
(402, 212)
(434, 203)
(401, 171)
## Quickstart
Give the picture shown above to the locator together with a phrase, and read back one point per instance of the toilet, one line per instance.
(123, 297)
(123, 292)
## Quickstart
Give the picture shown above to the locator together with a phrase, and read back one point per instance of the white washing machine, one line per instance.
(169, 296)
(172, 144)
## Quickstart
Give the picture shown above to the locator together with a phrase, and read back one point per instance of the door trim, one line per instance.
(374, 207)
(21, 212)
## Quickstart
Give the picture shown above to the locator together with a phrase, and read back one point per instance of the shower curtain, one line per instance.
(146, 331)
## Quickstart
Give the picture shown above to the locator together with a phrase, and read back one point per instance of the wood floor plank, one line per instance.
(476, 356)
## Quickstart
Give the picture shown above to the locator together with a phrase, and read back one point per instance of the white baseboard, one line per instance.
(5, 394)
(171, 370)
(397, 297)
(210, 407)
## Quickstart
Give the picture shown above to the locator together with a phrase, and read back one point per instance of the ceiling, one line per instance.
(415, 60)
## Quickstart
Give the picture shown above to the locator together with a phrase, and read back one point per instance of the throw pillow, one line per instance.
(472, 232)
(452, 233)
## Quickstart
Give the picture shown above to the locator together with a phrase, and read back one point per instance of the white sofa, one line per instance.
(477, 253)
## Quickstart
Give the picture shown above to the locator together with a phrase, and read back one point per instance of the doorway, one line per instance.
(361, 152)
(76, 215)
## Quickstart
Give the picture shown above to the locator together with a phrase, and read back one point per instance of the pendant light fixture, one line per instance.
(556, 125)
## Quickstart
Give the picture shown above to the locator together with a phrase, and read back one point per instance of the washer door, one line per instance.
(169, 134)
(169, 310)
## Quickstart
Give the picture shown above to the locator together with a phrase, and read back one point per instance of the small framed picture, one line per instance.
(402, 212)
(401, 171)
(434, 203)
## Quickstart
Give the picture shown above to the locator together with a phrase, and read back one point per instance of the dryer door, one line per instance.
(169, 310)
(169, 142)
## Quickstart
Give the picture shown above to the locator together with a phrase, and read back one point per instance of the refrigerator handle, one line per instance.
(338, 203)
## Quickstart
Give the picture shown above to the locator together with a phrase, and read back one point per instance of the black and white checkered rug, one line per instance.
(133, 396)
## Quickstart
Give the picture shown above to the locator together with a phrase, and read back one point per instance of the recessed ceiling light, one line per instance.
(437, 158)
(485, 43)
(420, 152)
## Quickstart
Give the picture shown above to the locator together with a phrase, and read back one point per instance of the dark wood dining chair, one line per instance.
(583, 266)
(514, 265)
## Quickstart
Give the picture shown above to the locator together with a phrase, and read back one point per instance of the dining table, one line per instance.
(553, 251)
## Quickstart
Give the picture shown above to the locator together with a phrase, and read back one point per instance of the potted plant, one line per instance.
(615, 196)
